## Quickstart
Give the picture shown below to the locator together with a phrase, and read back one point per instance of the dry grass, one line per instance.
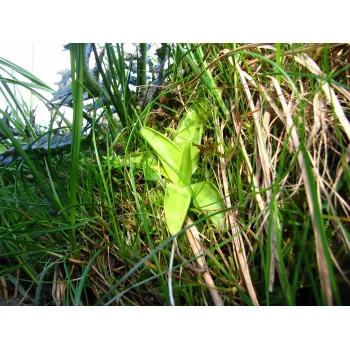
(279, 103)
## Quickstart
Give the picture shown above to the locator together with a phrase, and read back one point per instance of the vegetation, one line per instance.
(94, 226)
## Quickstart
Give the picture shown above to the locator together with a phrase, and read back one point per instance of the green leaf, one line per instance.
(169, 153)
(190, 129)
(186, 167)
(37, 82)
(208, 200)
(176, 203)
(77, 72)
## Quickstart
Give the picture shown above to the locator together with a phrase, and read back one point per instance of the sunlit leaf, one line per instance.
(169, 153)
(186, 166)
(208, 200)
(176, 203)
(190, 129)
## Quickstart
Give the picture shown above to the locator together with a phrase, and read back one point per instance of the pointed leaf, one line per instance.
(169, 153)
(208, 200)
(176, 203)
(190, 129)
(186, 166)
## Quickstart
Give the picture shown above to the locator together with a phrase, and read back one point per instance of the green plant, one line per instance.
(179, 159)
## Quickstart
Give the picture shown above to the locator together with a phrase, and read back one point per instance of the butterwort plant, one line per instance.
(179, 160)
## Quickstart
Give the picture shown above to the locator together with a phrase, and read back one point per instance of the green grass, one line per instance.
(81, 228)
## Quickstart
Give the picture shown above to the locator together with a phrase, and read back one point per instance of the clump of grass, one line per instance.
(275, 144)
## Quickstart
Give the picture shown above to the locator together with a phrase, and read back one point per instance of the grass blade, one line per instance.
(77, 69)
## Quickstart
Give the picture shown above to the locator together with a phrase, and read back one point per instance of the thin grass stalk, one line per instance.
(11, 99)
(206, 78)
(77, 73)
(142, 213)
(273, 227)
(141, 69)
(23, 262)
(265, 161)
(36, 172)
(130, 99)
(319, 232)
(323, 256)
(82, 282)
(136, 267)
(193, 237)
(19, 107)
(306, 61)
(105, 80)
(237, 243)
(278, 59)
(143, 261)
(274, 224)
(31, 77)
(209, 82)
(106, 188)
(170, 286)
(113, 62)
(31, 95)
(119, 64)
(322, 250)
